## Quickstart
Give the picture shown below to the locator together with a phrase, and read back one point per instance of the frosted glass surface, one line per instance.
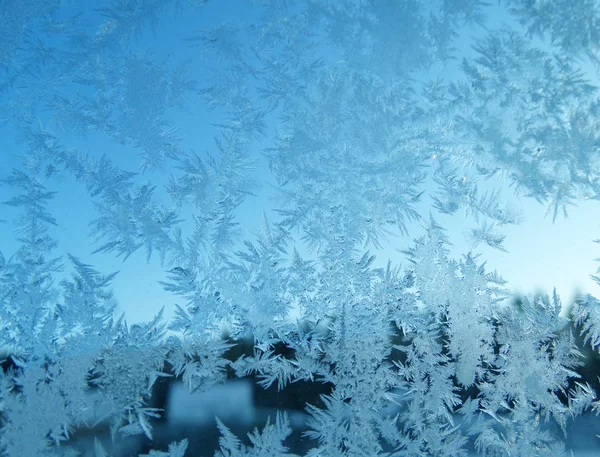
(299, 227)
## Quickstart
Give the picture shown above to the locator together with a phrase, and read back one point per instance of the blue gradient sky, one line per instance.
(541, 254)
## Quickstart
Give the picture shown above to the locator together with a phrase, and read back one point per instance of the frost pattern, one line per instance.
(340, 109)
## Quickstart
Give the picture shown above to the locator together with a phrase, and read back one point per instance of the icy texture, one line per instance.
(367, 121)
